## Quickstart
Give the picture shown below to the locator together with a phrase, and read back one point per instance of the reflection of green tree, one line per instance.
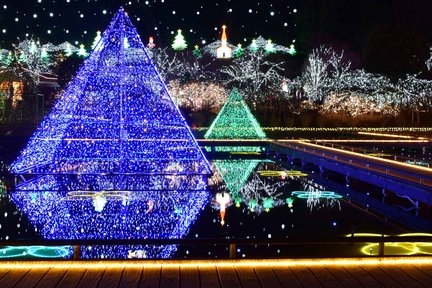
(235, 173)
(256, 192)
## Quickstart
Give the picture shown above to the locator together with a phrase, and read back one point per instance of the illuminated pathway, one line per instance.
(358, 272)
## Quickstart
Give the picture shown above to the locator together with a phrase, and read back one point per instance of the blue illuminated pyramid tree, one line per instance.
(114, 127)
(235, 121)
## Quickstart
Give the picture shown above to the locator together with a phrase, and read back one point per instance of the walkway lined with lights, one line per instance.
(358, 272)
(408, 172)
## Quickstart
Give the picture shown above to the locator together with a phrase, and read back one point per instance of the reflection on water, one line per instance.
(113, 215)
(255, 199)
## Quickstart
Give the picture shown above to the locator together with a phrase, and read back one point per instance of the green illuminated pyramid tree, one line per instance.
(235, 121)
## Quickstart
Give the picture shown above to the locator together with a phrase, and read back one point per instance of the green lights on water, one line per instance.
(316, 194)
(35, 252)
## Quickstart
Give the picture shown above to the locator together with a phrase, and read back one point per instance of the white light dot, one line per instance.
(51, 14)
(272, 13)
(285, 24)
(295, 10)
(203, 41)
(198, 13)
(104, 11)
(39, 1)
(4, 6)
(4, 31)
(173, 12)
(16, 19)
(34, 15)
(49, 31)
(250, 10)
(82, 15)
(230, 10)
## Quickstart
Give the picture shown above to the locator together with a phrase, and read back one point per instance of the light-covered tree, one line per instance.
(254, 74)
(179, 43)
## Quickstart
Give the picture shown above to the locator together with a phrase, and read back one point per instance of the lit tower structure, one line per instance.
(224, 51)
(115, 127)
(235, 121)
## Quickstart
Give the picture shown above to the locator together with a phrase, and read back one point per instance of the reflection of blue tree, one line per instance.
(125, 215)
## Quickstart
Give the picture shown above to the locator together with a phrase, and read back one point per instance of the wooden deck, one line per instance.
(352, 273)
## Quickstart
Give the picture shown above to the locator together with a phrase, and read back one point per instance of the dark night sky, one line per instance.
(78, 20)
(308, 22)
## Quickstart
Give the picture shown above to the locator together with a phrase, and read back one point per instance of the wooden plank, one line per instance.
(11, 278)
(381, 276)
(91, 277)
(170, 277)
(209, 277)
(111, 278)
(362, 276)
(32, 277)
(72, 277)
(345, 278)
(151, 277)
(189, 277)
(427, 269)
(52, 278)
(401, 276)
(131, 277)
(267, 277)
(3, 272)
(305, 276)
(286, 277)
(417, 274)
(325, 277)
(228, 277)
(248, 277)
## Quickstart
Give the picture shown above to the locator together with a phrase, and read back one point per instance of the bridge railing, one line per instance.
(421, 176)
(380, 245)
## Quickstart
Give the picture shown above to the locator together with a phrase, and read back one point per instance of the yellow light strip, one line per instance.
(390, 135)
(217, 263)
(396, 163)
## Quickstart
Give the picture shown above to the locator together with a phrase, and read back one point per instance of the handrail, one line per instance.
(231, 243)
(214, 241)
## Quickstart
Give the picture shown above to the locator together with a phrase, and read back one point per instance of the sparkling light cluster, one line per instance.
(197, 96)
(115, 126)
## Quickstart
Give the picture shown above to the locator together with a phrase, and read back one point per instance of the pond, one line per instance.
(246, 199)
